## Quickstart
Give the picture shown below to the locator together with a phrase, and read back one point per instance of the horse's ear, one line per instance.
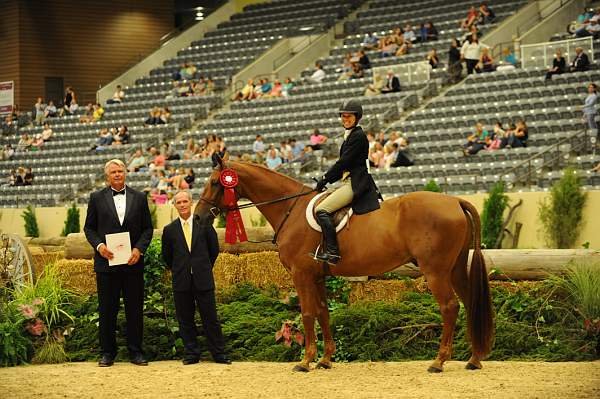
(218, 162)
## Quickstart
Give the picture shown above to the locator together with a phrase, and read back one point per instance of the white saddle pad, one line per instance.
(312, 222)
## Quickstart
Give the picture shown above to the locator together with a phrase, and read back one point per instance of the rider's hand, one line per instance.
(321, 183)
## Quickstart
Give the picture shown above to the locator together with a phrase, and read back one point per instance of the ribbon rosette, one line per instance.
(234, 227)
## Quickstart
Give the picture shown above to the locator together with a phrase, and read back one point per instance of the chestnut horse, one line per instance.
(435, 231)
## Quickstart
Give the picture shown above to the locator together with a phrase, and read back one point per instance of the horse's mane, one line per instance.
(267, 170)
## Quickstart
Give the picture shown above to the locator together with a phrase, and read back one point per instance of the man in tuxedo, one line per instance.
(392, 84)
(116, 209)
(190, 250)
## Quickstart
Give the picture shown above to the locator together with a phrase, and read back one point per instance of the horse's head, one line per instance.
(211, 202)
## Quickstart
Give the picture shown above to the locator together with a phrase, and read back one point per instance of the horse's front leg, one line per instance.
(329, 343)
(309, 299)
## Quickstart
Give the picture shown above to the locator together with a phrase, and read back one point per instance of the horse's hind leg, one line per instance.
(323, 316)
(440, 286)
(308, 294)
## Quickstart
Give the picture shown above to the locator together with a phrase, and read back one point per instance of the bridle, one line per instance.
(216, 210)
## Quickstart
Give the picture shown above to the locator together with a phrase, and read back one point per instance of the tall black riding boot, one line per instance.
(331, 254)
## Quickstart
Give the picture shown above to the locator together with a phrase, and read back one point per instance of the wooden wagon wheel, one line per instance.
(16, 265)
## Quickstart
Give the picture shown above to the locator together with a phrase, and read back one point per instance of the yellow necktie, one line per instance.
(187, 233)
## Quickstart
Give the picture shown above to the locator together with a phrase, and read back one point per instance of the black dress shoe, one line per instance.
(190, 360)
(222, 360)
(106, 361)
(139, 360)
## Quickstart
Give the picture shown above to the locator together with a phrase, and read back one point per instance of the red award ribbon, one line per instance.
(234, 227)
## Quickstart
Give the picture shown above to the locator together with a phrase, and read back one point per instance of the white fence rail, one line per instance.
(541, 55)
(412, 72)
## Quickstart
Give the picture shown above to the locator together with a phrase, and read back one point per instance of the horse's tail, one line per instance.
(479, 303)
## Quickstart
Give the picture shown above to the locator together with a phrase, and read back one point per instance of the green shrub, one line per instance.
(432, 186)
(492, 215)
(31, 226)
(561, 216)
(14, 344)
(153, 213)
(582, 282)
(72, 222)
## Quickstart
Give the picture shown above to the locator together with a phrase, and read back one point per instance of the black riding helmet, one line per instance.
(352, 107)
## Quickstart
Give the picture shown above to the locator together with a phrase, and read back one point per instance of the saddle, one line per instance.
(340, 217)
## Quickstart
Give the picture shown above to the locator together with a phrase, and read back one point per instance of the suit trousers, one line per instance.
(340, 198)
(185, 307)
(110, 287)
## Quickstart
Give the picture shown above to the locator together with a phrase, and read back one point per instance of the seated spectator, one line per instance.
(374, 88)
(486, 15)
(47, 132)
(433, 58)
(169, 152)
(558, 65)
(409, 34)
(592, 28)
(429, 32)
(69, 98)
(98, 113)
(518, 137)
(20, 176)
(247, 92)
(496, 137)
(122, 136)
(7, 152)
(287, 87)
(188, 71)
(157, 159)
(258, 89)
(357, 71)
(389, 48)
(159, 197)
(10, 179)
(37, 143)
(24, 143)
(258, 148)
(390, 152)
(581, 62)
(477, 141)
(137, 161)
(177, 180)
(189, 177)
(392, 83)
(29, 177)
(508, 61)
(401, 151)
(39, 109)
(403, 46)
(285, 152)
(486, 62)
(165, 115)
(209, 86)
(316, 141)
(155, 117)
(297, 150)
(9, 127)
(276, 90)
(190, 149)
(88, 114)
(266, 87)
(50, 111)
(117, 97)
(197, 88)
(471, 19)
(346, 68)
(273, 160)
(363, 60)
(105, 138)
(318, 75)
(370, 41)
(376, 156)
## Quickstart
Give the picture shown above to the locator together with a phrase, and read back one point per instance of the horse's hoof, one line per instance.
(300, 368)
(471, 366)
(325, 366)
(432, 369)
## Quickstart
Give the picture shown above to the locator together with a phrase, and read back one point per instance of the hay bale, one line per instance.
(264, 269)
(77, 275)
(385, 290)
(52, 241)
(229, 270)
(40, 260)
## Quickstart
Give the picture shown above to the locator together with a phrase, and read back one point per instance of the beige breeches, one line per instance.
(340, 198)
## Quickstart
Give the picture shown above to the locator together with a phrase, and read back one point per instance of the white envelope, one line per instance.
(120, 245)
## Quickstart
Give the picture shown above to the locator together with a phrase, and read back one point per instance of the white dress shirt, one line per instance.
(120, 204)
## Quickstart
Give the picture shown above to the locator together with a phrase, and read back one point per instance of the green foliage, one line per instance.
(562, 215)
(153, 213)
(31, 226)
(154, 267)
(582, 282)
(14, 344)
(432, 186)
(51, 351)
(72, 222)
(260, 222)
(492, 215)
(221, 222)
(338, 290)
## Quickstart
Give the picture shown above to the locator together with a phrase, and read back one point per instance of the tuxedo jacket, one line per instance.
(190, 268)
(102, 219)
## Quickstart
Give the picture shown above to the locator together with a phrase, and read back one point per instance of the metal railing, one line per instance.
(411, 72)
(542, 54)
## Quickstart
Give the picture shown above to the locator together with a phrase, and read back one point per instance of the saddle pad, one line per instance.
(340, 217)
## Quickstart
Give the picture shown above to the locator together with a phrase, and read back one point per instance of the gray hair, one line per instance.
(115, 161)
(188, 192)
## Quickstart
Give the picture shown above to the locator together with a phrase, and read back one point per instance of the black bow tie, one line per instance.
(114, 192)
